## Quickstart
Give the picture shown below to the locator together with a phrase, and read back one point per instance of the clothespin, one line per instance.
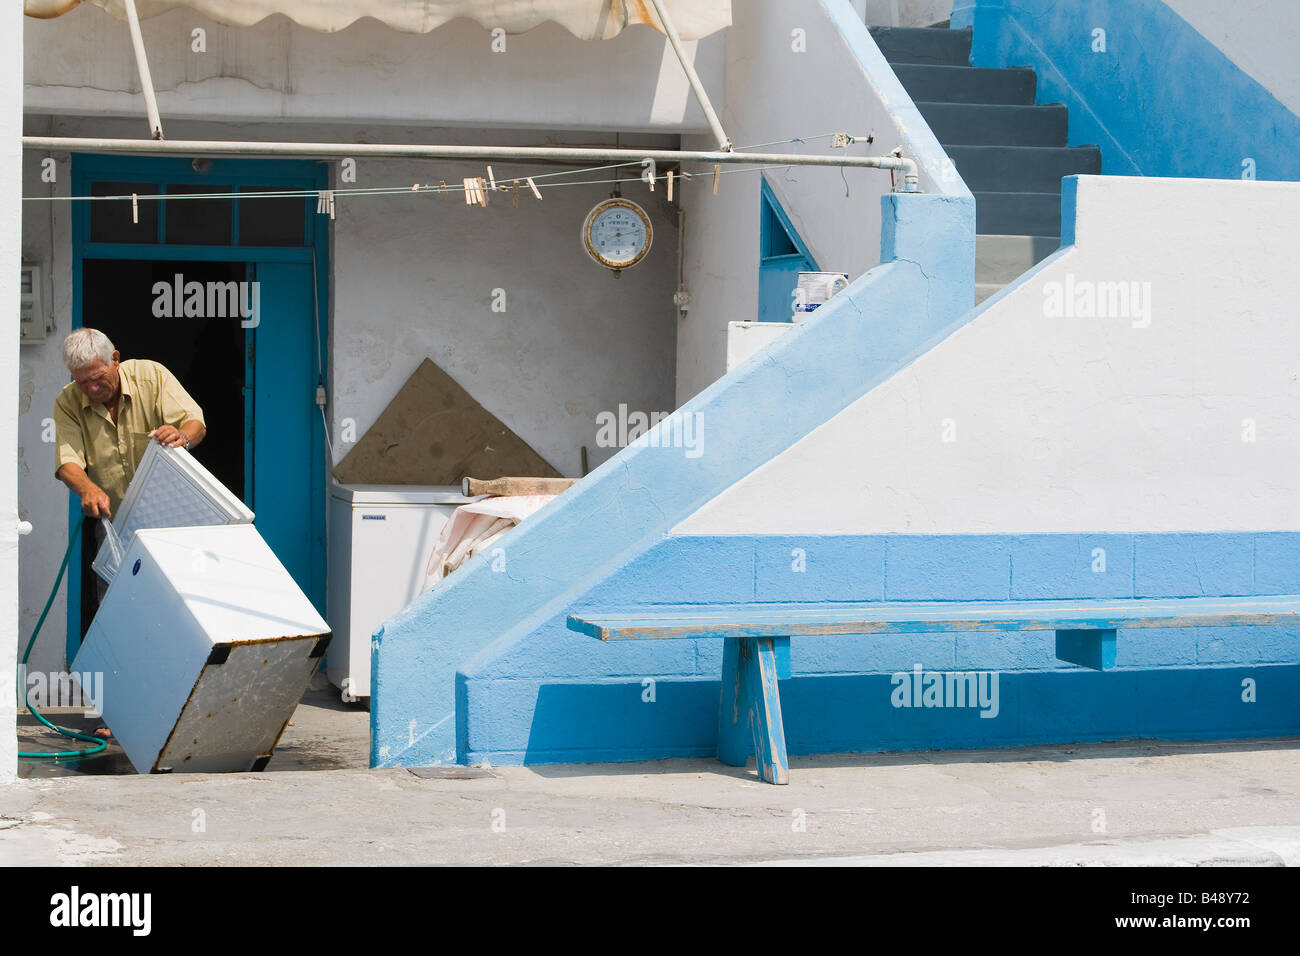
(533, 186)
(442, 186)
(135, 210)
(492, 179)
(415, 187)
(482, 193)
(515, 198)
(325, 202)
(474, 191)
(670, 185)
(717, 174)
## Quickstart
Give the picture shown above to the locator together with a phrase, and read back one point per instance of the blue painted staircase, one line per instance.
(1010, 151)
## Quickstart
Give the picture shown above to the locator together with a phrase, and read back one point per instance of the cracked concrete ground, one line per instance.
(1126, 803)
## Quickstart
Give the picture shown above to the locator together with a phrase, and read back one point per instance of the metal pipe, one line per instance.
(575, 155)
(142, 64)
(715, 124)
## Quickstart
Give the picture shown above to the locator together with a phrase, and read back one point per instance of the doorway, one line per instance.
(256, 379)
(205, 353)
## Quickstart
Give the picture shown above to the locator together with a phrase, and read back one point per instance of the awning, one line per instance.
(586, 19)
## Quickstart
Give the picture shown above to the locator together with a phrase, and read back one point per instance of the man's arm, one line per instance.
(94, 502)
(176, 405)
(70, 456)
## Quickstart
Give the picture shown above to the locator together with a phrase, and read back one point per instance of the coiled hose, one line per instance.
(100, 744)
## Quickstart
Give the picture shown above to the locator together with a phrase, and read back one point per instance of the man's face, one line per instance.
(98, 381)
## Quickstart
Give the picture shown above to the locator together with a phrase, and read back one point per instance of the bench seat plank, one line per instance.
(665, 621)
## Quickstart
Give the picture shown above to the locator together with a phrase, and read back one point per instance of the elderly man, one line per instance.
(105, 418)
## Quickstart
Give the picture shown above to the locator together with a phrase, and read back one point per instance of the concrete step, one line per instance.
(1022, 168)
(996, 125)
(967, 84)
(1018, 214)
(999, 258)
(924, 45)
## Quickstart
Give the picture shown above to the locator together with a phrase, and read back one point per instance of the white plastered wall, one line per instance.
(426, 277)
(1190, 422)
(905, 13)
(11, 58)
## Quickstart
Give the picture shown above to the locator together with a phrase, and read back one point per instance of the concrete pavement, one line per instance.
(1128, 803)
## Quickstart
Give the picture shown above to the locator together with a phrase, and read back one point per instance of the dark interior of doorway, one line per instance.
(205, 354)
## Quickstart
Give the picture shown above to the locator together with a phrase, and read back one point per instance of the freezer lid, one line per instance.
(170, 489)
(400, 494)
(228, 578)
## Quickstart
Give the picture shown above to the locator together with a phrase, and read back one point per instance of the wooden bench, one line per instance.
(756, 649)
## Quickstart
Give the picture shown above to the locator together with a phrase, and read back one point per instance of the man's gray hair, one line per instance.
(86, 346)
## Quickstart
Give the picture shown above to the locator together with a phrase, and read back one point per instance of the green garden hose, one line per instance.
(99, 743)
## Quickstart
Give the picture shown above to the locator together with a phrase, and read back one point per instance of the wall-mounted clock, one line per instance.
(617, 233)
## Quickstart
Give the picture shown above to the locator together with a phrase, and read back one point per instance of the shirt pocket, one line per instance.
(139, 444)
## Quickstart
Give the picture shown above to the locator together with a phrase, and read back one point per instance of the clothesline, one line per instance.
(504, 184)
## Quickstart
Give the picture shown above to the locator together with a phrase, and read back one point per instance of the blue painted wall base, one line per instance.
(610, 721)
(560, 696)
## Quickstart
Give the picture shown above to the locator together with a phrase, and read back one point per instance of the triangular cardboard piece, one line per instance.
(434, 433)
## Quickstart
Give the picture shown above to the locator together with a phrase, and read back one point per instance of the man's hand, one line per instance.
(187, 436)
(94, 503)
(169, 436)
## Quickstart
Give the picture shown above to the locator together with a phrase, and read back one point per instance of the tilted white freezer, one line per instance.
(381, 537)
(203, 646)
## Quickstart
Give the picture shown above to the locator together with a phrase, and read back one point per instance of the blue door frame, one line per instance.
(283, 269)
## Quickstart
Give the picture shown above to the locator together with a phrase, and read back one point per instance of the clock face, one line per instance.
(617, 233)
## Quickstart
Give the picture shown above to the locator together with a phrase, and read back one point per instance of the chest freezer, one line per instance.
(381, 537)
(202, 648)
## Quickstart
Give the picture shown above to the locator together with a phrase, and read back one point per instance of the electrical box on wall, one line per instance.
(31, 309)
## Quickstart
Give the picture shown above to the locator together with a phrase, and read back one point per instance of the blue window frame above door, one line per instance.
(110, 222)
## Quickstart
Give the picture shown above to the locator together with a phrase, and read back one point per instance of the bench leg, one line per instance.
(749, 713)
(1087, 648)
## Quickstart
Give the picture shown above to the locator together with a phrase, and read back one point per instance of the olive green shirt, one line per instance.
(109, 453)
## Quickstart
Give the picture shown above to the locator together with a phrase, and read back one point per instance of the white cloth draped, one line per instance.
(586, 19)
(473, 528)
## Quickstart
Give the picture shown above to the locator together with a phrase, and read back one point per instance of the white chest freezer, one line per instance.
(381, 537)
(202, 647)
